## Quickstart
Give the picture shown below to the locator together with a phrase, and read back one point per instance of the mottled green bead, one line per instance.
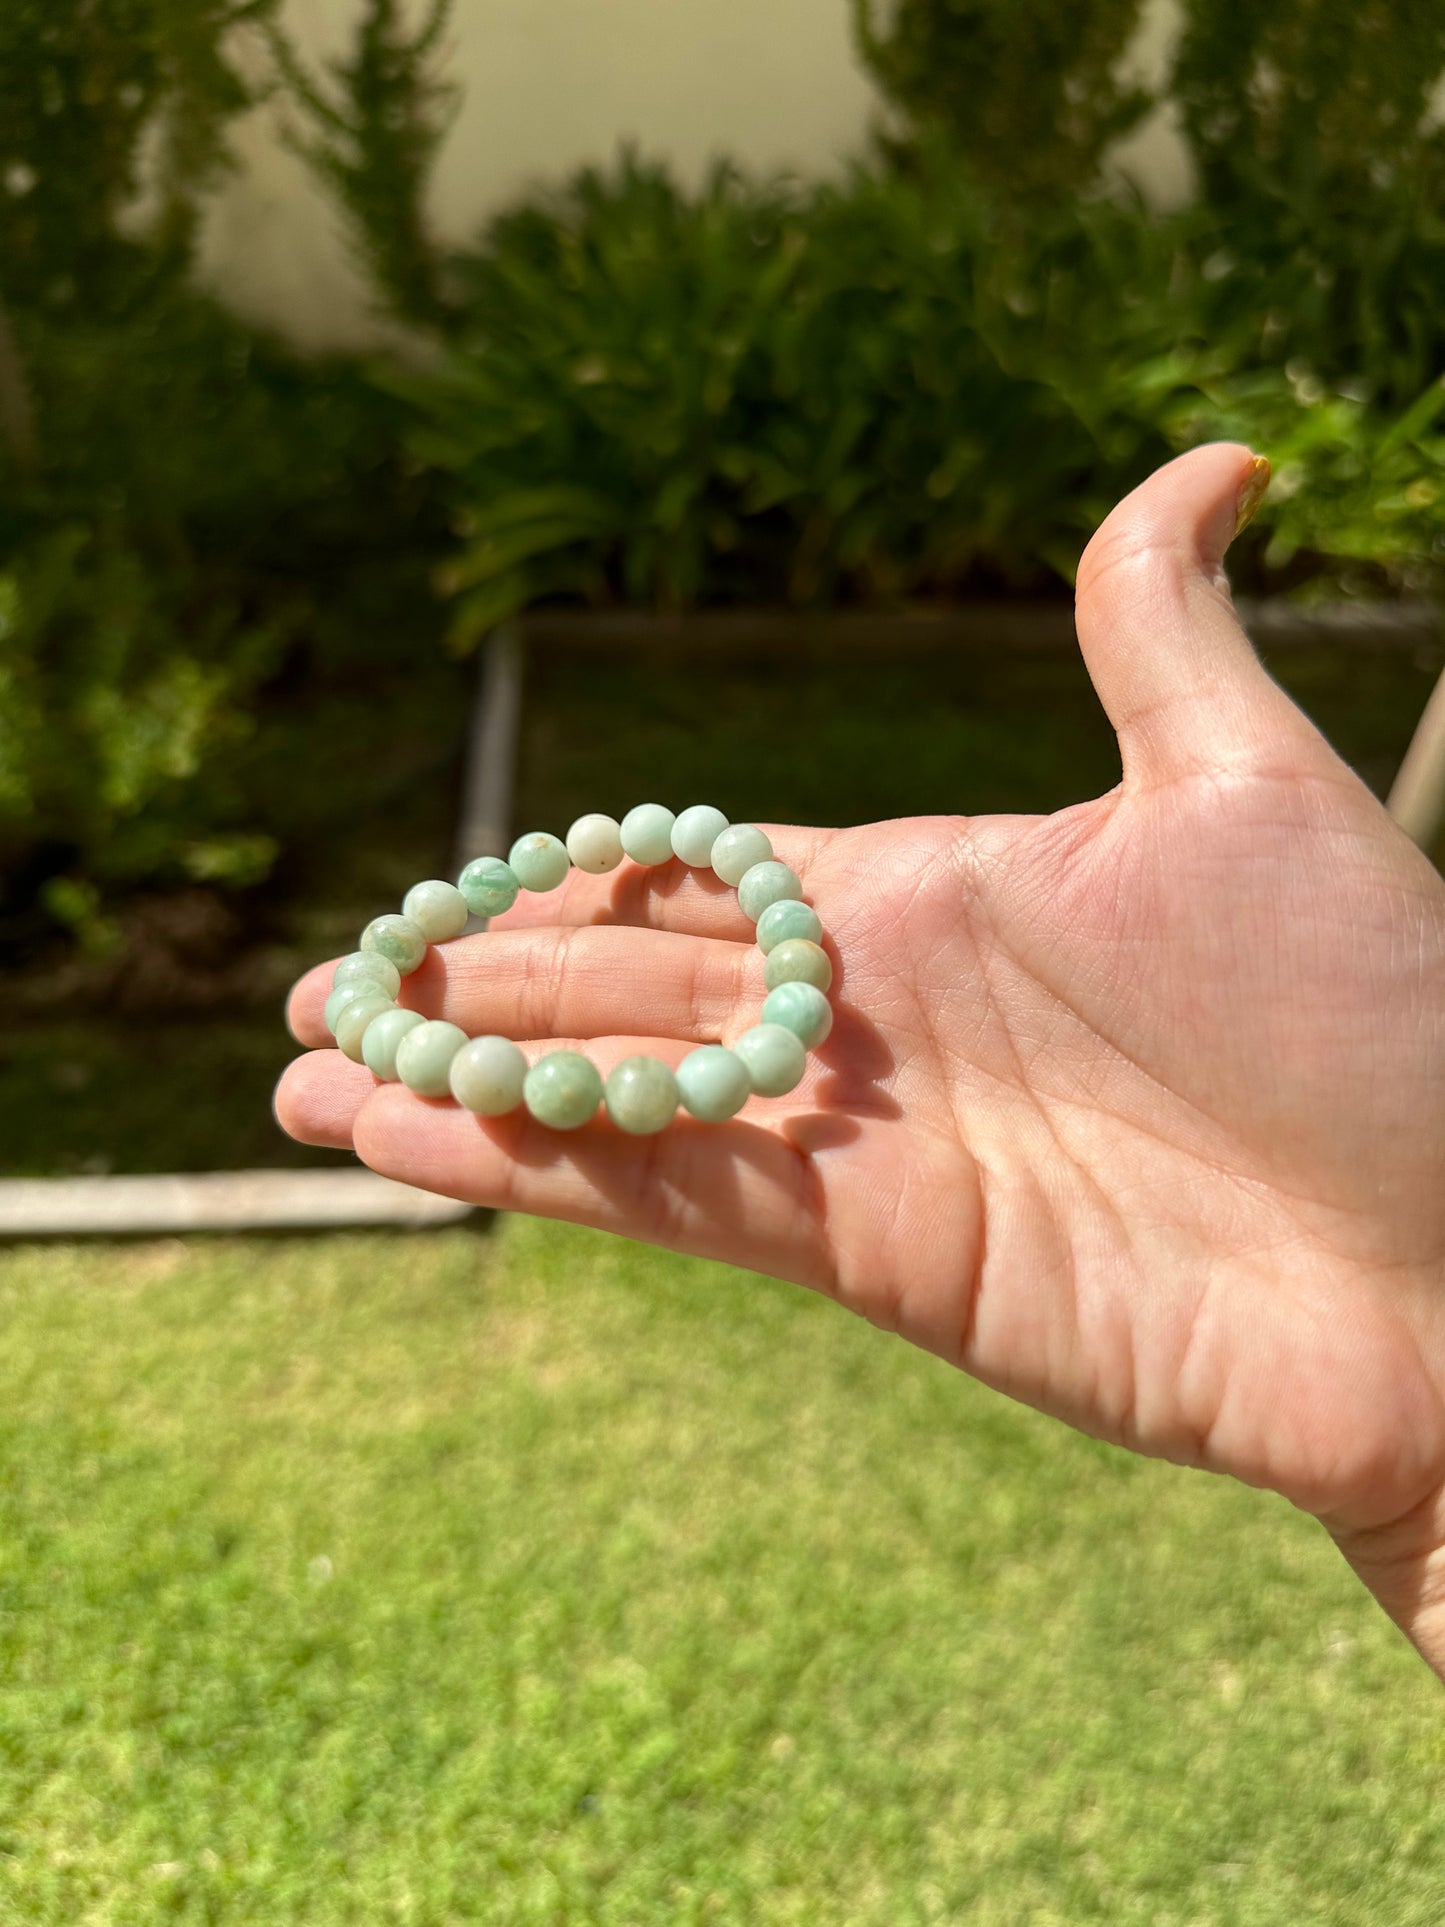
(487, 1076)
(439, 910)
(382, 1036)
(774, 1057)
(735, 852)
(424, 1057)
(489, 886)
(766, 883)
(396, 938)
(713, 1083)
(594, 844)
(367, 966)
(641, 1096)
(796, 961)
(647, 833)
(695, 832)
(801, 1008)
(539, 860)
(788, 918)
(562, 1090)
(345, 994)
(351, 1024)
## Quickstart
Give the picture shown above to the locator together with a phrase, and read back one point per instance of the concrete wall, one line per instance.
(550, 84)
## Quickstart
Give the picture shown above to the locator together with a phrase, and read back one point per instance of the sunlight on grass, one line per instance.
(539, 1578)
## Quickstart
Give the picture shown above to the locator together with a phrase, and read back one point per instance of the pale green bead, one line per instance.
(367, 966)
(695, 832)
(641, 1096)
(788, 918)
(439, 910)
(379, 1044)
(424, 1057)
(396, 938)
(487, 1076)
(647, 833)
(594, 843)
(351, 1024)
(489, 886)
(562, 1090)
(739, 847)
(345, 994)
(539, 860)
(774, 1057)
(713, 1083)
(766, 883)
(801, 1008)
(796, 961)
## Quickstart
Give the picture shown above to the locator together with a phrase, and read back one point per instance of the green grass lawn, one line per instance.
(537, 1578)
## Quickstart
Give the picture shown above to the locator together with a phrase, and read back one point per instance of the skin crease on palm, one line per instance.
(1136, 1112)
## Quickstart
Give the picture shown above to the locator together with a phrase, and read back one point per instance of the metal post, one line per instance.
(489, 785)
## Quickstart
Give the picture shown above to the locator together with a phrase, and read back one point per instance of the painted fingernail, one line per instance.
(1251, 493)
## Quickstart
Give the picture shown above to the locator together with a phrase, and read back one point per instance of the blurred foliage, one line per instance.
(1320, 156)
(199, 528)
(874, 390)
(112, 126)
(1028, 91)
(374, 132)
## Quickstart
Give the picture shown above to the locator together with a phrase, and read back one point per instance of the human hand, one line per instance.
(1135, 1112)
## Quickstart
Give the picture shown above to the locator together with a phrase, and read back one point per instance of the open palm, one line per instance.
(1135, 1111)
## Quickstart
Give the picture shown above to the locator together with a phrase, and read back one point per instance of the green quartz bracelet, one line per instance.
(491, 1077)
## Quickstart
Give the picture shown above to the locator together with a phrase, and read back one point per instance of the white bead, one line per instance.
(695, 832)
(594, 844)
(647, 833)
(737, 850)
(438, 908)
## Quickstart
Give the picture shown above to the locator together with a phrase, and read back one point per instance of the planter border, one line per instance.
(1025, 628)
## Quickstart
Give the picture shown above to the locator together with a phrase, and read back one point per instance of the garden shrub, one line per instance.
(875, 390)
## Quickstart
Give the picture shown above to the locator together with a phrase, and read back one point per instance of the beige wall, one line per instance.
(550, 84)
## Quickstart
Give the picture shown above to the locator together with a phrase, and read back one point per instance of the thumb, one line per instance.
(1173, 668)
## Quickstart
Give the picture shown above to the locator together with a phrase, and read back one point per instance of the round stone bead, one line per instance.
(487, 1076)
(562, 1090)
(801, 1008)
(345, 994)
(397, 939)
(351, 1024)
(774, 1058)
(647, 833)
(380, 1040)
(739, 847)
(539, 860)
(713, 1083)
(641, 1096)
(788, 918)
(796, 961)
(424, 1057)
(439, 910)
(368, 966)
(594, 844)
(766, 883)
(695, 832)
(489, 886)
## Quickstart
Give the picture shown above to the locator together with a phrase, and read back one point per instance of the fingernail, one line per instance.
(1251, 492)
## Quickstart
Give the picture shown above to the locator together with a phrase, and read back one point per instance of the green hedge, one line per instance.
(878, 390)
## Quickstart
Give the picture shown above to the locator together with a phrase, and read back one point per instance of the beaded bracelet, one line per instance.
(490, 1076)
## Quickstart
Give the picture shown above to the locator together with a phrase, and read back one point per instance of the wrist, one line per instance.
(1403, 1564)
